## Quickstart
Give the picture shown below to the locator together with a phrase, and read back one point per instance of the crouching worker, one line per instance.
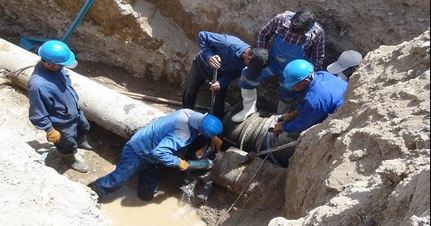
(54, 103)
(159, 143)
(323, 95)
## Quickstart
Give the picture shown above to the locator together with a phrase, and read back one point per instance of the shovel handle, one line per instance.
(212, 92)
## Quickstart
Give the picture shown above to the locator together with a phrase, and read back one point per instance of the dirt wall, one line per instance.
(370, 161)
(158, 38)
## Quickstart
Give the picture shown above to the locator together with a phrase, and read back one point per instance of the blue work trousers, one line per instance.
(72, 134)
(129, 165)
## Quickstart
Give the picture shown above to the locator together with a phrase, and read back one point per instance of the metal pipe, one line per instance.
(77, 20)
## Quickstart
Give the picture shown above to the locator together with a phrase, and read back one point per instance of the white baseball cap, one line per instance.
(347, 59)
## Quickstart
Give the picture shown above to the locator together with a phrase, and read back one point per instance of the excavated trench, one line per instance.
(123, 206)
(157, 61)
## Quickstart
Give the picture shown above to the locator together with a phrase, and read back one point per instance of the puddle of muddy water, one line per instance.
(126, 209)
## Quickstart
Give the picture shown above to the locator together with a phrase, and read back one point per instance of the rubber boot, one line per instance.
(75, 162)
(85, 145)
(249, 97)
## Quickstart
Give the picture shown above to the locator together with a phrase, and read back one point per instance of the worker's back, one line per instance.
(164, 137)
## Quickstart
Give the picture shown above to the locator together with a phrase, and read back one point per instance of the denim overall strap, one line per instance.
(282, 53)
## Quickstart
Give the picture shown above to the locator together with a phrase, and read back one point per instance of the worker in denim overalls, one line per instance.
(294, 36)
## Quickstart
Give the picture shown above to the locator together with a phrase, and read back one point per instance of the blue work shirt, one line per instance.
(229, 48)
(53, 101)
(161, 140)
(322, 97)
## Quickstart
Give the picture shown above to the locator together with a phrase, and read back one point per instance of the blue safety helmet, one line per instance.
(57, 52)
(210, 126)
(296, 71)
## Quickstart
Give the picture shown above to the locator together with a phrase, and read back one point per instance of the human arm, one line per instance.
(208, 43)
(267, 31)
(216, 143)
(308, 115)
(38, 114)
(317, 51)
(164, 151)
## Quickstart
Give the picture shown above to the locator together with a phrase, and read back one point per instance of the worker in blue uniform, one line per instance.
(227, 55)
(160, 143)
(54, 103)
(322, 95)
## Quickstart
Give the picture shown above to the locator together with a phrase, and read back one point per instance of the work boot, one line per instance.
(75, 162)
(85, 145)
(99, 191)
(249, 97)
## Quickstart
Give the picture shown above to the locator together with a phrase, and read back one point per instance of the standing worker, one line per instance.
(159, 143)
(346, 64)
(54, 103)
(294, 36)
(225, 54)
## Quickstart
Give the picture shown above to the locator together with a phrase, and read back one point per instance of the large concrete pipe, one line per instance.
(107, 108)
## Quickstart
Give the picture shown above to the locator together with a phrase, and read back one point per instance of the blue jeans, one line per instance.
(72, 134)
(129, 165)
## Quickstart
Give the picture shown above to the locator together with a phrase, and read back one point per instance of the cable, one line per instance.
(19, 70)
(248, 184)
(243, 191)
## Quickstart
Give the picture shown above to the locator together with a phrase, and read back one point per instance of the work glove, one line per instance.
(53, 136)
(184, 165)
(200, 164)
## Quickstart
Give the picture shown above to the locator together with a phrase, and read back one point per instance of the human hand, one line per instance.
(214, 86)
(53, 136)
(184, 165)
(289, 116)
(215, 61)
(278, 128)
(216, 143)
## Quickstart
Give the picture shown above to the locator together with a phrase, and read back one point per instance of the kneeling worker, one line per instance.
(323, 95)
(159, 143)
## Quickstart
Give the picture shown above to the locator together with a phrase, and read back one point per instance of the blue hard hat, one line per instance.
(296, 71)
(57, 52)
(211, 126)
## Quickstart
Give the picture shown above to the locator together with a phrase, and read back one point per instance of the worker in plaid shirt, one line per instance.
(288, 36)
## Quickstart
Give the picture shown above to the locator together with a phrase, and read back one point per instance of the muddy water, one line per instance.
(126, 209)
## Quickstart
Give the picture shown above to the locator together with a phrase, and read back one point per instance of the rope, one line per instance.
(248, 184)
(19, 70)
(245, 134)
(242, 192)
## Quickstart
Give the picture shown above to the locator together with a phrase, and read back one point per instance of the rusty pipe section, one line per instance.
(103, 106)
(249, 135)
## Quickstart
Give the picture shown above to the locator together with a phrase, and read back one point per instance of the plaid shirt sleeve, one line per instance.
(317, 50)
(267, 31)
